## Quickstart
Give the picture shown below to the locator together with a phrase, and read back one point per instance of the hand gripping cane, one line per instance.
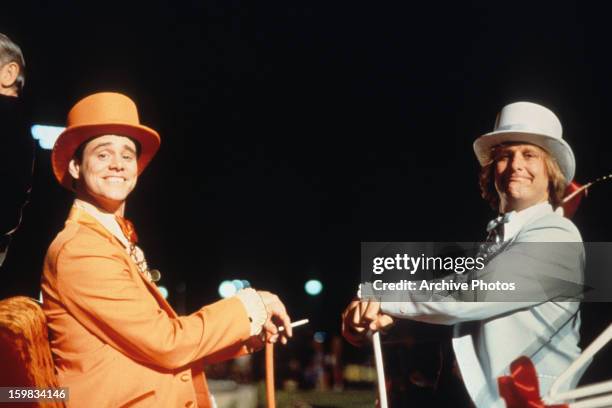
(380, 369)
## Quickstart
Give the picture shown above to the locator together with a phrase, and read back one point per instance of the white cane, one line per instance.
(380, 370)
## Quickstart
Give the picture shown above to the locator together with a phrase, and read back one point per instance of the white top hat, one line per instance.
(530, 123)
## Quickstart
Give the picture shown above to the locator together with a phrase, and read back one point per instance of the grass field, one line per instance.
(328, 399)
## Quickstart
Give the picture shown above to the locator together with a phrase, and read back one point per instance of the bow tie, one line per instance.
(128, 229)
(500, 220)
(495, 228)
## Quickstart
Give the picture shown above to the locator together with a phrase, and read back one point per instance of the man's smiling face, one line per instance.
(521, 177)
(108, 170)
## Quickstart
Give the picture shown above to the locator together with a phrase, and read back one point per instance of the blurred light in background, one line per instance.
(313, 287)
(359, 373)
(238, 284)
(319, 337)
(227, 289)
(163, 291)
(46, 135)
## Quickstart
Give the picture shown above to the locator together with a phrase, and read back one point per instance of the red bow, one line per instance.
(520, 389)
(570, 207)
(128, 229)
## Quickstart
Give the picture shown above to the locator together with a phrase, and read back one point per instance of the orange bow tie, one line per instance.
(128, 229)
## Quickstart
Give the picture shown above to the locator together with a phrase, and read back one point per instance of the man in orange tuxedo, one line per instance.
(116, 341)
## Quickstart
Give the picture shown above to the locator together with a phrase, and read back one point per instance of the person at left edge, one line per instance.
(116, 341)
(15, 144)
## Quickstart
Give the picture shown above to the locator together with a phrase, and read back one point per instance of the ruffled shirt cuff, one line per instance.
(256, 310)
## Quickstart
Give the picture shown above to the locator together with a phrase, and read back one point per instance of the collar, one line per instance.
(514, 221)
(89, 215)
(108, 221)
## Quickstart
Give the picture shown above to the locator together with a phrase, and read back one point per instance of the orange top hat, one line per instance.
(105, 113)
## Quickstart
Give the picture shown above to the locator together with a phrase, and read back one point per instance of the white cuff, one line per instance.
(255, 308)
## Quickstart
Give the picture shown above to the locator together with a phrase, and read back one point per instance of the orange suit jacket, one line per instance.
(116, 342)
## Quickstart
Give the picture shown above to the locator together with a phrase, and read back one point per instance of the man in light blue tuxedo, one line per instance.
(526, 166)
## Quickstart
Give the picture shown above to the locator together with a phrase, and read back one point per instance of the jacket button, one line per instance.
(189, 404)
(185, 377)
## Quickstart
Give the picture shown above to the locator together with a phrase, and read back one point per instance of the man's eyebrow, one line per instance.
(501, 150)
(128, 147)
(105, 144)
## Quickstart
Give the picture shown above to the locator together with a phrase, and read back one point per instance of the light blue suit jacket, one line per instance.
(489, 335)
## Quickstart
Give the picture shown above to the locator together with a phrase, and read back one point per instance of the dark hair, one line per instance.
(10, 52)
(556, 179)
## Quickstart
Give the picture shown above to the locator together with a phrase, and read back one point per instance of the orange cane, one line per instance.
(270, 398)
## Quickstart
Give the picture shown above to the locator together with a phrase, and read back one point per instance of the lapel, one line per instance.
(80, 216)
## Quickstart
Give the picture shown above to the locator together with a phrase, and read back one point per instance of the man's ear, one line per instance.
(8, 74)
(74, 168)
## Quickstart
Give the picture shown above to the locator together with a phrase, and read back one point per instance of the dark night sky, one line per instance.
(292, 131)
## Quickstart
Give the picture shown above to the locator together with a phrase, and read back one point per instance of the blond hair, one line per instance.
(556, 179)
